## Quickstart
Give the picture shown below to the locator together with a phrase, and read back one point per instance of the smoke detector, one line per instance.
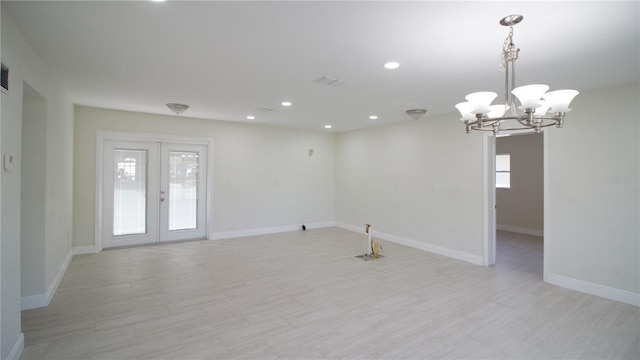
(177, 108)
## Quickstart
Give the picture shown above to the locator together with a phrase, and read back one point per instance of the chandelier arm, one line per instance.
(540, 123)
(524, 122)
(523, 128)
(549, 117)
(502, 118)
(482, 129)
(485, 122)
(485, 128)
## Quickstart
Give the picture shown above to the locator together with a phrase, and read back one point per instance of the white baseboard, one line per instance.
(520, 230)
(83, 250)
(56, 281)
(33, 302)
(268, 230)
(16, 350)
(320, 225)
(606, 292)
(459, 255)
(43, 300)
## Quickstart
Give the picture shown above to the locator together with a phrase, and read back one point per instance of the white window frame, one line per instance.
(503, 186)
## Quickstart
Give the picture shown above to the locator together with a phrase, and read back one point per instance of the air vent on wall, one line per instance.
(4, 79)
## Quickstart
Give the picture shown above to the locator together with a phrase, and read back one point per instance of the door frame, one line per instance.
(489, 198)
(103, 135)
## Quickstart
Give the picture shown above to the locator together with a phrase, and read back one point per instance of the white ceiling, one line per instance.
(229, 59)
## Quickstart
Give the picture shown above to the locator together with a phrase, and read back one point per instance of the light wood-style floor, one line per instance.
(303, 295)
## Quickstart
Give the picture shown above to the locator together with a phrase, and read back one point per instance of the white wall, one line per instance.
(417, 183)
(263, 176)
(25, 66)
(594, 192)
(33, 191)
(520, 208)
(402, 179)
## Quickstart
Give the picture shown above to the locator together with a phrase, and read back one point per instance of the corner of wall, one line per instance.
(16, 350)
(43, 300)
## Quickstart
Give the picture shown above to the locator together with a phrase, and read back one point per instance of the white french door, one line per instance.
(153, 192)
(182, 192)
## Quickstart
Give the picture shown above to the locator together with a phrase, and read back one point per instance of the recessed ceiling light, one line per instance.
(373, 117)
(251, 117)
(158, 0)
(391, 65)
(328, 126)
(286, 103)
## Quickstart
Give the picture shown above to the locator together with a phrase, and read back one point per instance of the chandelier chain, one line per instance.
(509, 50)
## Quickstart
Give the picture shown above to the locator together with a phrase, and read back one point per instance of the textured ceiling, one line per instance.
(228, 60)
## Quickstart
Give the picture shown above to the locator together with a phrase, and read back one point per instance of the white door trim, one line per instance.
(103, 135)
(489, 198)
(489, 154)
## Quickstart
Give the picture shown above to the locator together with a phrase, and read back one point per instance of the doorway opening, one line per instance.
(517, 210)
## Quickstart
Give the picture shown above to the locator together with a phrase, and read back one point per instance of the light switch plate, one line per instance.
(7, 162)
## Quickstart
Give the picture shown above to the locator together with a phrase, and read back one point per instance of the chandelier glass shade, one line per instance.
(537, 107)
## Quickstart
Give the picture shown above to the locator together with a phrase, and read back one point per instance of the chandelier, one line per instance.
(538, 108)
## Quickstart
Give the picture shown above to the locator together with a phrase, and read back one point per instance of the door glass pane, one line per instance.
(183, 190)
(130, 192)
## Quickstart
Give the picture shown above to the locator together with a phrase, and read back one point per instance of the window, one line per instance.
(503, 171)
